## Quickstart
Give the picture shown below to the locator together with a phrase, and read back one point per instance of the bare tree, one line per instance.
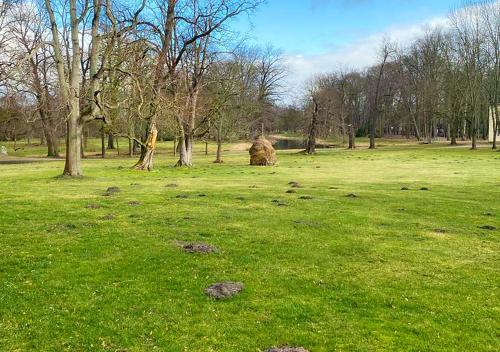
(83, 106)
(386, 52)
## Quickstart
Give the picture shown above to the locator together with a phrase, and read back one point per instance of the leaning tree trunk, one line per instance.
(146, 160)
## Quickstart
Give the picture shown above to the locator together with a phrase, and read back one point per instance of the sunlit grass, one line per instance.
(390, 270)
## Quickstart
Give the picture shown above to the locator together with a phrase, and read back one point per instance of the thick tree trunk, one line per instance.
(453, 133)
(72, 165)
(52, 143)
(146, 160)
(185, 151)
(352, 143)
(111, 141)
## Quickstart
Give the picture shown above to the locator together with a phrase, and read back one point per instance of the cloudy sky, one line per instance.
(317, 36)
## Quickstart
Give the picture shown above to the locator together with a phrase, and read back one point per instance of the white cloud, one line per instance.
(356, 55)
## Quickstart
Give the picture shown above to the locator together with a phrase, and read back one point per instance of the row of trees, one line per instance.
(149, 69)
(442, 85)
(139, 70)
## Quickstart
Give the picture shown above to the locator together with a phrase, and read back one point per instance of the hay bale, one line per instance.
(262, 153)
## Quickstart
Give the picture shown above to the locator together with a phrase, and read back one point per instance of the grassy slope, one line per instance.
(331, 273)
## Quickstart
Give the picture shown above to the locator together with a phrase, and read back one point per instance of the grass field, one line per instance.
(389, 270)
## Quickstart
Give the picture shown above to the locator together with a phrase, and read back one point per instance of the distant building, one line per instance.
(492, 116)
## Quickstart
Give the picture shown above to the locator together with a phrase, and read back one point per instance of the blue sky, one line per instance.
(319, 35)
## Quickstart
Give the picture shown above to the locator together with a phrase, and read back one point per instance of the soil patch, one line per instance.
(488, 227)
(111, 191)
(108, 217)
(224, 290)
(199, 248)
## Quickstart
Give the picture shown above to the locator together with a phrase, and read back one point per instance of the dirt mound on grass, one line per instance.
(199, 248)
(262, 153)
(287, 349)
(224, 290)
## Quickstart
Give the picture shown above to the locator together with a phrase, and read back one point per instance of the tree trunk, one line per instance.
(72, 165)
(311, 141)
(185, 150)
(111, 141)
(103, 143)
(352, 143)
(372, 130)
(52, 142)
(130, 147)
(473, 132)
(496, 126)
(146, 160)
(218, 156)
(453, 133)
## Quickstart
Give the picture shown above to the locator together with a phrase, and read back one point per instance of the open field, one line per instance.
(387, 270)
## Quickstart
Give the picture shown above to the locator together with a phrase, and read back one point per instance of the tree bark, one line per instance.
(52, 142)
(185, 150)
(146, 160)
(73, 166)
(111, 141)
(352, 143)
(218, 155)
(496, 126)
(453, 133)
(103, 144)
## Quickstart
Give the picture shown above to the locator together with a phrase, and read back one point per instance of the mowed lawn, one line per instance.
(387, 270)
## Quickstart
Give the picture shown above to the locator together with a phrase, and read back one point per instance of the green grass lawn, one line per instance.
(389, 270)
